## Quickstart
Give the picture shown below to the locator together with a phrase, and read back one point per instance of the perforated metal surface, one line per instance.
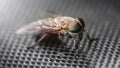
(102, 19)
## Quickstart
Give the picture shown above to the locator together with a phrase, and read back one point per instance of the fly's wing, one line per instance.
(38, 27)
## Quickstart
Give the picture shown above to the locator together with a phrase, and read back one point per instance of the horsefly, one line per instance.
(60, 25)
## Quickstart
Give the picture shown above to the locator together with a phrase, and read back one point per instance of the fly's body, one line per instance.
(53, 25)
(57, 25)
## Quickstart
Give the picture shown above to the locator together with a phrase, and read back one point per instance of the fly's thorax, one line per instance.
(63, 21)
(48, 22)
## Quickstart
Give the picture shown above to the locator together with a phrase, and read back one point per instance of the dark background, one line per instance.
(102, 19)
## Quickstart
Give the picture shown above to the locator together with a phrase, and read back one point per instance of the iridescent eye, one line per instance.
(74, 27)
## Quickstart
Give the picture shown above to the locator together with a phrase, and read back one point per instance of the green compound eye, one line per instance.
(75, 27)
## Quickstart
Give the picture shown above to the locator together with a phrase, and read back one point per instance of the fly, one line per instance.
(61, 25)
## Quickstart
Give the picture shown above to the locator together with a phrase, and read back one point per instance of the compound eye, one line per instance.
(82, 22)
(74, 27)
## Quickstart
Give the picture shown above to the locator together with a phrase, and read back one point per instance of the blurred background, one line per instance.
(102, 18)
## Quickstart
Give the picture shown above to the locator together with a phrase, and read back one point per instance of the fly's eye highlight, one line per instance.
(74, 27)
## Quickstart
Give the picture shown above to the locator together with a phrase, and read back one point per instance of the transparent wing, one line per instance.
(38, 27)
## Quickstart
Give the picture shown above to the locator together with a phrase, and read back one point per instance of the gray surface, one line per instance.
(102, 19)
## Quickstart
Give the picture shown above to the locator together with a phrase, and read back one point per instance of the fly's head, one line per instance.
(77, 26)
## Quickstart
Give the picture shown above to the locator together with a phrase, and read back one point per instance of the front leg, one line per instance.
(87, 35)
(73, 40)
(90, 39)
(80, 36)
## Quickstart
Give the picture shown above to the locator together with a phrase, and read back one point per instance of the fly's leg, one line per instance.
(41, 39)
(38, 41)
(61, 39)
(75, 43)
(88, 36)
(90, 39)
(80, 36)
(73, 40)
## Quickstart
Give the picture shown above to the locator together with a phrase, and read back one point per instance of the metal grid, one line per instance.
(102, 21)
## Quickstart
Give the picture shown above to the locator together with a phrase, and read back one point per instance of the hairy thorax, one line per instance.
(63, 23)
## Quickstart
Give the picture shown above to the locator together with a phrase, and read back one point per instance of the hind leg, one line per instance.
(39, 40)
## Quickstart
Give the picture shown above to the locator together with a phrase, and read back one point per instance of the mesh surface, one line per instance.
(102, 21)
